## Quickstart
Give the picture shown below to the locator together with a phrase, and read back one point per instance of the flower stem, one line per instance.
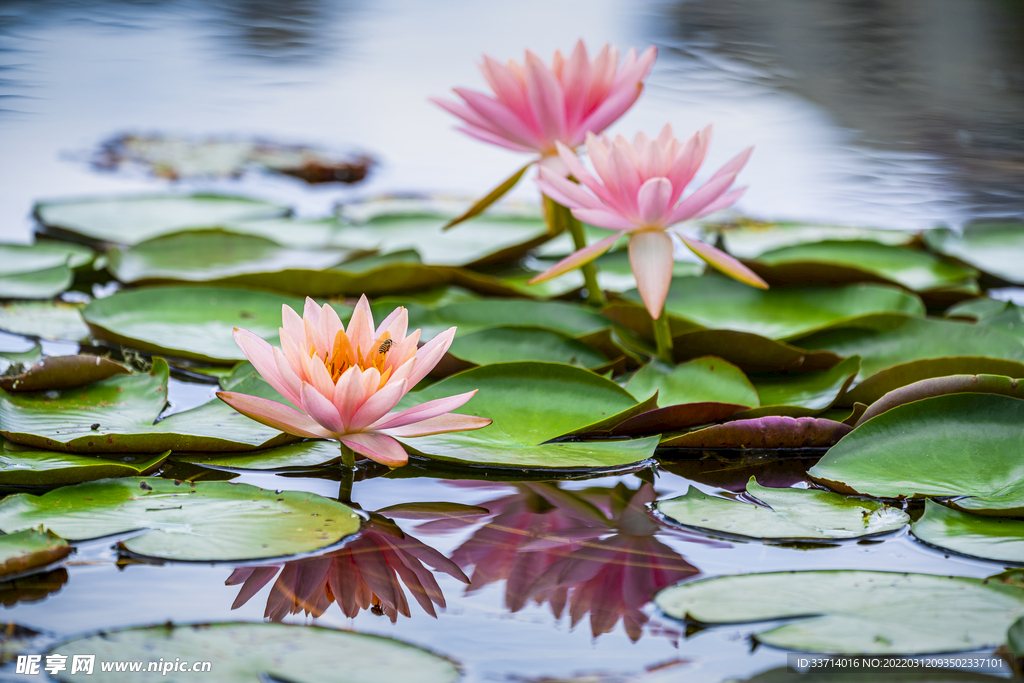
(348, 470)
(560, 219)
(663, 338)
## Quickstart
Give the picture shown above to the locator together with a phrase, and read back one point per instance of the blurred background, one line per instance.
(888, 113)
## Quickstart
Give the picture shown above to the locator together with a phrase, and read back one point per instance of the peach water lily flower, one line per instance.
(346, 382)
(638, 191)
(536, 106)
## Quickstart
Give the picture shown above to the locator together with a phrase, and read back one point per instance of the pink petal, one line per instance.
(329, 324)
(360, 326)
(623, 180)
(575, 196)
(604, 219)
(320, 378)
(723, 202)
(291, 324)
(312, 336)
(653, 200)
(609, 111)
(723, 262)
(486, 136)
(320, 408)
(377, 447)
(450, 422)
(424, 411)
(463, 112)
(546, 98)
(602, 75)
(291, 380)
(650, 257)
(502, 121)
(576, 84)
(311, 311)
(702, 197)
(734, 165)
(349, 394)
(275, 415)
(378, 405)
(635, 69)
(688, 160)
(430, 354)
(396, 323)
(261, 355)
(577, 259)
(509, 90)
(581, 174)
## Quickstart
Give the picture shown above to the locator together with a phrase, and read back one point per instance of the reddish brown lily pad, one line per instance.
(764, 432)
(677, 417)
(63, 372)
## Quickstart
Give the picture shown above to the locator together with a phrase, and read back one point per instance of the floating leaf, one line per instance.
(54, 320)
(940, 386)
(1015, 638)
(955, 445)
(855, 612)
(750, 352)
(295, 233)
(789, 514)
(30, 549)
(990, 538)
(188, 322)
(532, 403)
(699, 380)
(63, 372)
(27, 466)
(506, 344)
(117, 415)
(750, 240)
(995, 248)
(763, 432)
(245, 653)
(301, 455)
(41, 270)
(840, 262)
(130, 220)
(803, 394)
(205, 521)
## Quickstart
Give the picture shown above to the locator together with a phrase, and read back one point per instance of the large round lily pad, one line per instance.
(45, 319)
(530, 404)
(855, 612)
(130, 220)
(991, 538)
(785, 514)
(955, 445)
(250, 653)
(188, 322)
(117, 415)
(205, 521)
(28, 549)
(718, 302)
(995, 248)
(27, 466)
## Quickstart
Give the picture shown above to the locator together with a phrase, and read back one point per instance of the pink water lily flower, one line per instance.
(535, 106)
(346, 382)
(638, 190)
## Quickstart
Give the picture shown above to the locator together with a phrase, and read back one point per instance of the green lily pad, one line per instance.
(990, 538)
(784, 514)
(994, 248)
(855, 612)
(772, 432)
(506, 344)
(205, 521)
(706, 379)
(752, 353)
(955, 445)
(39, 271)
(484, 240)
(117, 415)
(530, 404)
(835, 262)
(614, 274)
(63, 372)
(195, 323)
(54, 320)
(38, 284)
(977, 309)
(721, 303)
(291, 232)
(27, 466)
(1015, 638)
(751, 240)
(246, 653)
(214, 256)
(940, 386)
(803, 394)
(29, 549)
(130, 220)
(301, 455)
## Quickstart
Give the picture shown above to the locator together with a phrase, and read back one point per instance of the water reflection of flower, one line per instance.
(367, 573)
(592, 551)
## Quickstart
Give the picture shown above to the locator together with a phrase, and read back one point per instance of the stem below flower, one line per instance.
(560, 219)
(348, 470)
(663, 338)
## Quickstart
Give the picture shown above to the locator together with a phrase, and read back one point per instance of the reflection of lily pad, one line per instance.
(130, 220)
(245, 653)
(834, 262)
(785, 514)
(45, 319)
(955, 445)
(27, 466)
(855, 612)
(116, 415)
(763, 432)
(718, 302)
(995, 248)
(991, 538)
(205, 521)
(188, 322)
(530, 404)
(28, 549)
